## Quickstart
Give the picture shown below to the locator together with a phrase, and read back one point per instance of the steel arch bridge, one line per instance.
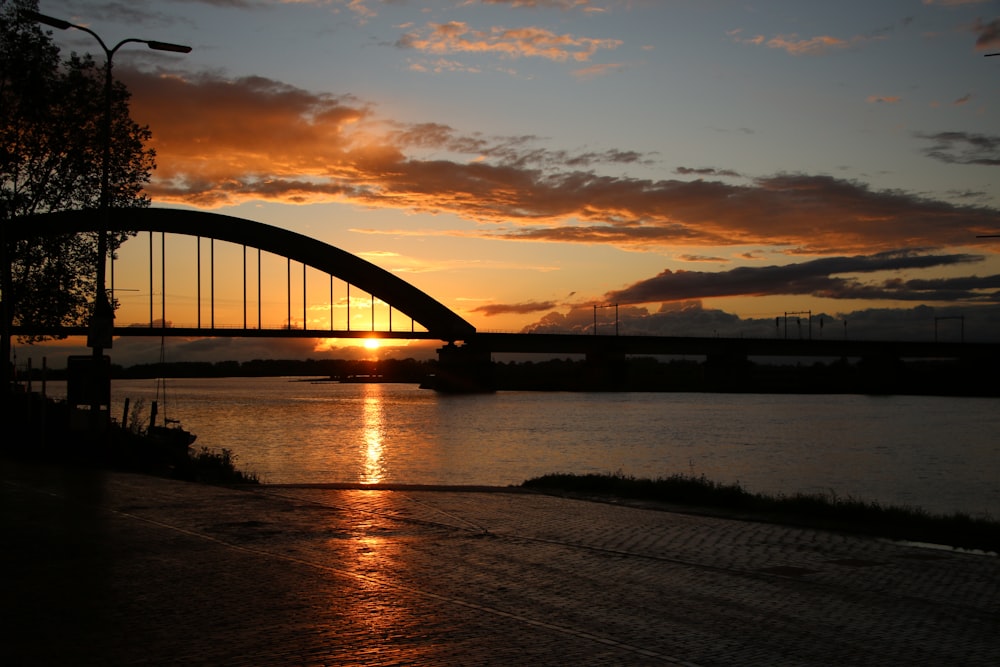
(438, 322)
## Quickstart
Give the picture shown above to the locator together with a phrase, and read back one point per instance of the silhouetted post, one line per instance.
(607, 305)
(99, 335)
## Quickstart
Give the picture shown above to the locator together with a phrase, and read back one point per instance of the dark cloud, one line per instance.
(514, 308)
(963, 148)
(701, 258)
(987, 34)
(705, 171)
(828, 277)
(691, 318)
(817, 214)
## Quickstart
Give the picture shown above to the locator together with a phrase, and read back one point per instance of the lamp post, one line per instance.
(102, 320)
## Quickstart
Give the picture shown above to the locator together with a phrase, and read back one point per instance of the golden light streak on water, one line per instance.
(374, 425)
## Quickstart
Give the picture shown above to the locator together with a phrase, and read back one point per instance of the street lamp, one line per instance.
(102, 319)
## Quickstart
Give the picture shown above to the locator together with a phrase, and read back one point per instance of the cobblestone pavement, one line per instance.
(122, 569)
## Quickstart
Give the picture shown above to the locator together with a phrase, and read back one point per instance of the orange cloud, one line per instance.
(598, 70)
(796, 46)
(224, 142)
(458, 37)
(884, 99)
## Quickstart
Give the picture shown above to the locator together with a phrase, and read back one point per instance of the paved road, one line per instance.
(123, 569)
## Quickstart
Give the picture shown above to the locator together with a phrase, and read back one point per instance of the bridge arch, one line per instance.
(439, 320)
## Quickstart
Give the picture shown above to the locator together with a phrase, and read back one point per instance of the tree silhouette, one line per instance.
(51, 114)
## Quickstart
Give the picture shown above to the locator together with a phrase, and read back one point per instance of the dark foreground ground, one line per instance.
(121, 569)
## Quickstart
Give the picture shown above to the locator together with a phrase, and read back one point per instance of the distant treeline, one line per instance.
(869, 376)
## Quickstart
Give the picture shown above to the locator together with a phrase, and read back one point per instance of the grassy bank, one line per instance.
(826, 512)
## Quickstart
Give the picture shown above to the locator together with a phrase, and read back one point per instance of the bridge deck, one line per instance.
(556, 344)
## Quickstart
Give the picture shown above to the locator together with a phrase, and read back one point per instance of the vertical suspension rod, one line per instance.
(150, 279)
(199, 281)
(163, 279)
(244, 286)
(211, 278)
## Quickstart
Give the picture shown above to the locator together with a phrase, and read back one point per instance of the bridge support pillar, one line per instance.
(463, 370)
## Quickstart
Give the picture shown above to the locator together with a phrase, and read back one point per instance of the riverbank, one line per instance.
(40, 430)
(822, 512)
(118, 568)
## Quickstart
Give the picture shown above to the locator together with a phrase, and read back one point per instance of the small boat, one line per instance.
(170, 434)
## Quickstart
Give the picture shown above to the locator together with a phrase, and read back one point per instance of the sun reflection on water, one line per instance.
(374, 426)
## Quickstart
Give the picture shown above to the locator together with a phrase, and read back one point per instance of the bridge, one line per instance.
(435, 320)
(466, 354)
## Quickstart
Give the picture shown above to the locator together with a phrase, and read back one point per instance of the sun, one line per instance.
(372, 343)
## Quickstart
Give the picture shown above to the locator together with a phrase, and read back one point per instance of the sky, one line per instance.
(707, 165)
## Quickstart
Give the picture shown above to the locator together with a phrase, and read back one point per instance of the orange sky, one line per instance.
(708, 164)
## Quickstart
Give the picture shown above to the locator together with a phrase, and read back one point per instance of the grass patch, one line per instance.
(827, 512)
(215, 467)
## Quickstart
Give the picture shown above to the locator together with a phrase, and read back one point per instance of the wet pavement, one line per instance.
(119, 569)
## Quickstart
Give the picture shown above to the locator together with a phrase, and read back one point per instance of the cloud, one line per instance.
(223, 142)
(692, 318)
(557, 4)
(526, 42)
(963, 148)
(361, 10)
(701, 258)
(585, 5)
(987, 34)
(797, 46)
(815, 214)
(677, 297)
(705, 171)
(884, 99)
(514, 308)
(831, 277)
(594, 71)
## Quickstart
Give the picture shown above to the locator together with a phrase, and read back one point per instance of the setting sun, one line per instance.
(372, 343)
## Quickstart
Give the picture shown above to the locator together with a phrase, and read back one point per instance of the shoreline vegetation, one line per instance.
(877, 376)
(700, 495)
(39, 431)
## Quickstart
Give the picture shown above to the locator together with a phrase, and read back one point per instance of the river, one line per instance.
(940, 454)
